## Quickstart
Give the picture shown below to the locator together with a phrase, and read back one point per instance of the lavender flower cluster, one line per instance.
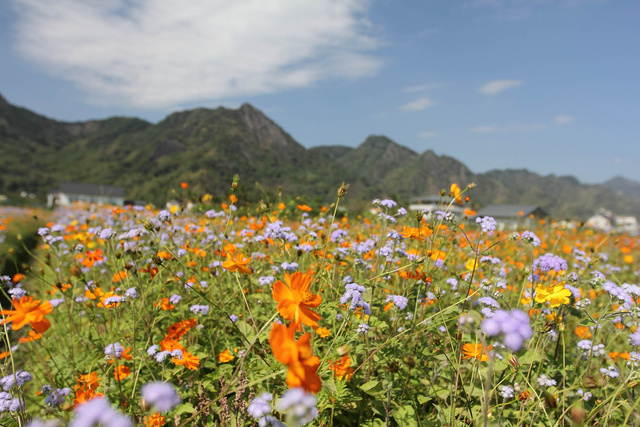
(514, 325)
(549, 262)
(487, 224)
(354, 294)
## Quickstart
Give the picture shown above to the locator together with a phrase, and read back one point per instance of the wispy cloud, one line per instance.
(160, 53)
(513, 127)
(418, 104)
(498, 86)
(563, 120)
(428, 134)
(421, 88)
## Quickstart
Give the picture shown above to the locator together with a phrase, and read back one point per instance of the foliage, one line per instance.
(205, 147)
(135, 297)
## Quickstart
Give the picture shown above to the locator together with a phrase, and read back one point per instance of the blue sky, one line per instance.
(552, 86)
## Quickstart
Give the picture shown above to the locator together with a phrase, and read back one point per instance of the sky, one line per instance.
(552, 86)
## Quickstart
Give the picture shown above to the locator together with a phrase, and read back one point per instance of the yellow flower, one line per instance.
(323, 332)
(475, 350)
(225, 356)
(553, 294)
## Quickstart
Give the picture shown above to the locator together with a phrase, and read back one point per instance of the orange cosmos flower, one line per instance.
(188, 360)
(92, 257)
(26, 311)
(294, 299)
(121, 372)
(184, 185)
(304, 208)
(239, 263)
(120, 275)
(164, 304)
(86, 388)
(155, 420)
(342, 368)
(582, 332)
(225, 356)
(616, 355)
(33, 336)
(475, 350)
(297, 355)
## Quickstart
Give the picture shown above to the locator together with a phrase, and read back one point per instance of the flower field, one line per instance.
(281, 314)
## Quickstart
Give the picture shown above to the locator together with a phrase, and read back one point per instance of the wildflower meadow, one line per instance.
(279, 313)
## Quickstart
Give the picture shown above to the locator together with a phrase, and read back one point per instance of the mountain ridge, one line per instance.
(206, 147)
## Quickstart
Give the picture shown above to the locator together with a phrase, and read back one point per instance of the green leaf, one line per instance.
(405, 416)
(184, 408)
(372, 387)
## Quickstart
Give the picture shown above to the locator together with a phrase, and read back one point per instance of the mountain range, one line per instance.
(206, 147)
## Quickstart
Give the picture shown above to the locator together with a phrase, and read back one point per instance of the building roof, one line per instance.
(89, 189)
(512, 211)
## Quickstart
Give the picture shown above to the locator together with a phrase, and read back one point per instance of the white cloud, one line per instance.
(513, 127)
(563, 120)
(421, 88)
(498, 86)
(428, 134)
(159, 53)
(418, 104)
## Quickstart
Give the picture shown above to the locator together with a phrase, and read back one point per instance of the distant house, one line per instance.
(433, 203)
(606, 221)
(512, 216)
(70, 192)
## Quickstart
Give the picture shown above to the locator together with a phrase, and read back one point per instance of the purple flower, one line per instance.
(489, 302)
(487, 224)
(259, 406)
(56, 397)
(266, 280)
(106, 234)
(114, 350)
(161, 395)
(164, 215)
(549, 262)
(354, 293)
(10, 403)
(513, 325)
(398, 300)
(16, 379)
(289, 266)
(175, 298)
(99, 411)
(299, 405)
(200, 309)
(116, 299)
(161, 356)
(17, 292)
(530, 237)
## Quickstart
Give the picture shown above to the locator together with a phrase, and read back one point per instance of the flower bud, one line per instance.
(342, 191)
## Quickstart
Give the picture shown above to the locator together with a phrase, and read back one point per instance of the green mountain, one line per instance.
(206, 147)
(623, 186)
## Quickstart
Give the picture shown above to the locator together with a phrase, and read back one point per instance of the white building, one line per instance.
(70, 192)
(434, 203)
